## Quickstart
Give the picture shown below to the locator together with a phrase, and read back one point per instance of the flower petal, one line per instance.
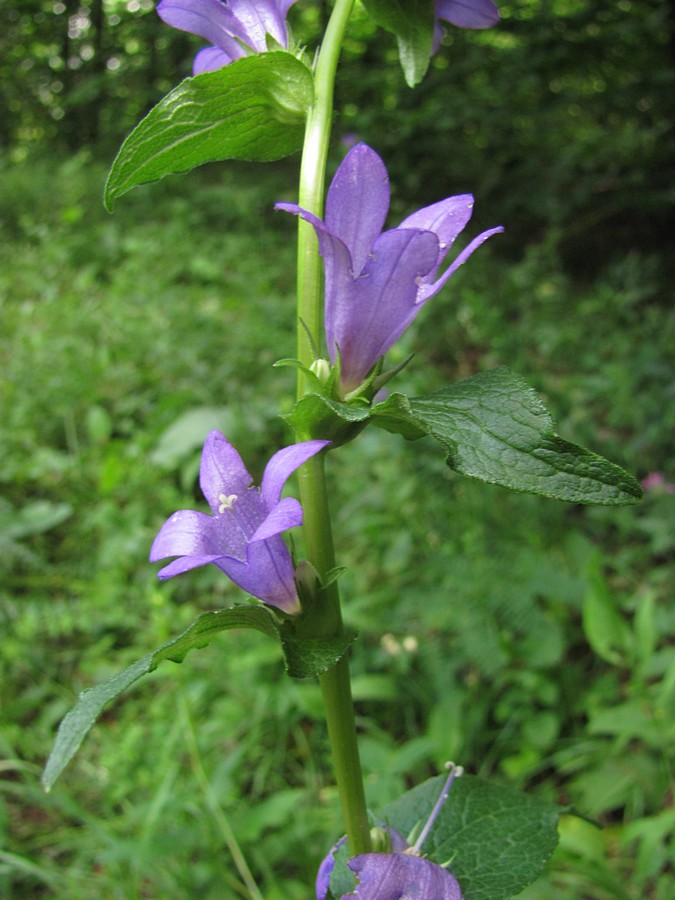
(322, 884)
(267, 574)
(282, 465)
(428, 290)
(184, 564)
(446, 219)
(286, 514)
(260, 17)
(326, 870)
(210, 19)
(357, 202)
(396, 876)
(212, 58)
(367, 316)
(468, 13)
(189, 533)
(222, 471)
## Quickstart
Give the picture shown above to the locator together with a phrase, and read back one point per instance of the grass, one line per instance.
(522, 637)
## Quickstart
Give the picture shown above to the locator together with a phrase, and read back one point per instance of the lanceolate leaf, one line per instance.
(304, 658)
(412, 21)
(252, 109)
(495, 428)
(75, 726)
(494, 840)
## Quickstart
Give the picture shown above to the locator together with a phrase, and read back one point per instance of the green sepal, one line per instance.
(291, 363)
(494, 427)
(384, 377)
(493, 839)
(318, 416)
(77, 723)
(412, 21)
(252, 109)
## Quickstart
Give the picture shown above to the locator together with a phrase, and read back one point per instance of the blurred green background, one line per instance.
(525, 638)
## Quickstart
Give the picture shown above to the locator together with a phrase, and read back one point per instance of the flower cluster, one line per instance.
(377, 281)
(243, 535)
(233, 27)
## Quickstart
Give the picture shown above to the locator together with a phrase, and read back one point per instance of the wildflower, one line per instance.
(402, 873)
(377, 282)
(243, 535)
(234, 27)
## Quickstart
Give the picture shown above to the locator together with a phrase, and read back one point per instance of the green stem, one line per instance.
(335, 683)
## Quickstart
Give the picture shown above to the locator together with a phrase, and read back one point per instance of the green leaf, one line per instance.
(318, 416)
(412, 21)
(494, 840)
(495, 428)
(80, 719)
(604, 627)
(252, 109)
(309, 657)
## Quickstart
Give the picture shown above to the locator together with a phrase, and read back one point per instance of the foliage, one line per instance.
(118, 335)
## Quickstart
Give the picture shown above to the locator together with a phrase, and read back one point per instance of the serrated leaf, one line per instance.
(316, 415)
(77, 723)
(494, 840)
(494, 427)
(310, 657)
(252, 109)
(412, 21)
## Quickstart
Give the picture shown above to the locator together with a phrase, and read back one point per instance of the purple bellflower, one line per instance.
(233, 27)
(377, 282)
(402, 874)
(243, 535)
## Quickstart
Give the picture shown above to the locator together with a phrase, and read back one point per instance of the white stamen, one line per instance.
(226, 502)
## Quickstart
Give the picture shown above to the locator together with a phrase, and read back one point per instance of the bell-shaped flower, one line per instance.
(233, 27)
(377, 282)
(401, 873)
(243, 535)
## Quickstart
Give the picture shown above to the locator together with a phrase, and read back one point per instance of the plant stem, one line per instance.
(335, 683)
